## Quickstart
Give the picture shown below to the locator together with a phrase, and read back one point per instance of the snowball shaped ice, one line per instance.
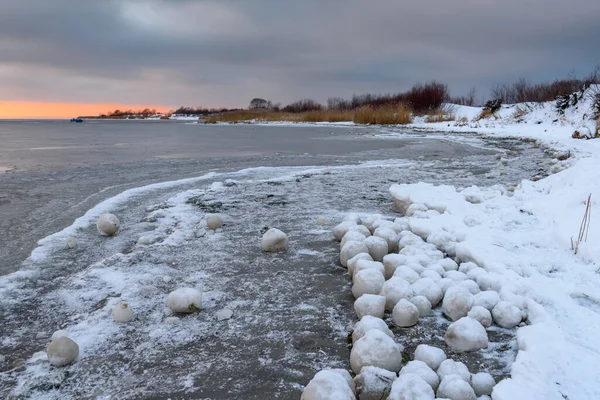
(185, 300)
(367, 323)
(428, 288)
(432, 356)
(466, 334)
(370, 304)
(352, 262)
(351, 249)
(455, 388)
(482, 383)
(62, 351)
(490, 281)
(457, 303)
(445, 283)
(422, 304)
(506, 314)
(391, 262)
(411, 387)
(405, 314)
(481, 315)
(214, 222)
(451, 367)
(448, 264)
(340, 230)
(108, 224)
(60, 333)
(328, 384)
(366, 264)
(374, 383)
(487, 299)
(470, 285)
(321, 220)
(351, 235)
(390, 236)
(274, 240)
(377, 349)
(456, 276)
(378, 247)
(420, 368)
(122, 313)
(367, 281)
(394, 290)
(406, 273)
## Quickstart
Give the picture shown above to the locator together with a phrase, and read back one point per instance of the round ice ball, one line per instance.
(108, 224)
(411, 387)
(428, 288)
(482, 383)
(367, 281)
(482, 315)
(451, 367)
(466, 334)
(370, 304)
(366, 264)
(185, 300)
(394, 290)
(457, 303)
(354, 260)
(351, 235)
(214, 222)
(351, 249)
(322, 220)
(60, 333)
(274, 240)
(62, 351)
(455, 388)
(377, 349)
(324, 384)
(487, 299)
(374, 383)
(420, 368)
(378, 247)
(405, 314)
(122, 313)
(406, 273)
(340, 230)
(366, 324)
(432, 356)
(507, 315)
(422, 304)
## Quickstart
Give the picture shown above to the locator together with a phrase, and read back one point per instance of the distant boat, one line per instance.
(77, 120)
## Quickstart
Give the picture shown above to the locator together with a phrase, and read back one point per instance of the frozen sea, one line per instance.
(292, 311)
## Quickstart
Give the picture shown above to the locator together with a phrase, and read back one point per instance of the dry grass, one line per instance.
(584, 227)
(392, 115)
(440, 115)
(519, 113)
(485, 113)
(597, 133)
(364, 115)
(462, 121)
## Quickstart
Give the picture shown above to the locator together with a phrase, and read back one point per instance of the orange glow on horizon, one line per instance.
(30, 109)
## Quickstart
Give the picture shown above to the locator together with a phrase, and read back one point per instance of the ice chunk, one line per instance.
(390, 236)
(62, 351)
(470, 285)
(391, 262)
(367, 323)
(405, 314)
(351, 249)
(351, 235)
(445, 283)
(374, 383)
(482, 383)
(214, 222)
(108, 224)
(422, 304)
(428, 288)
(506, 314)
(367, 281)
(377, 349)
(60, 333)
(482, 315)
(185, 300)
(378, 247)
(456, 276)
(457, 303)
(406, 273)
(424, 371)
(487, 299)
(411, 387)
(224, 314)
(455, 388)
(466, 334)
(122, 313)
(328, 385)
(274, 240)
(428, 273)
(432, 356)
(366, 264)
(490, 281)
(394, 290)
(370, 304)
(448, 264)
(467, 266)
(352, 262)
(340, 230)
(451, 367)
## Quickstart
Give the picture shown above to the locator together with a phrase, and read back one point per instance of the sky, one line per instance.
(61, 56)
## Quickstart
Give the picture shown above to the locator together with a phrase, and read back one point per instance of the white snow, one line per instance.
(185, 300)
(506, 315)
(274, 240)
(466, 334)
(455, 388)
(482, 383)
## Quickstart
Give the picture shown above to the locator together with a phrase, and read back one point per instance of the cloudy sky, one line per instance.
(224, 52)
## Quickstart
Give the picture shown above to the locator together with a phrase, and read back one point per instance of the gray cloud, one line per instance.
(225, 52)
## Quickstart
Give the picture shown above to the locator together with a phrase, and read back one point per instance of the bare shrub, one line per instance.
(303, 105)
(443, 114)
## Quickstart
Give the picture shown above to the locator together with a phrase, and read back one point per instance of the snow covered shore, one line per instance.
(523, 238)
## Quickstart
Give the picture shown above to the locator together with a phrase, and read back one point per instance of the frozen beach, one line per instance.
(291, 312)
